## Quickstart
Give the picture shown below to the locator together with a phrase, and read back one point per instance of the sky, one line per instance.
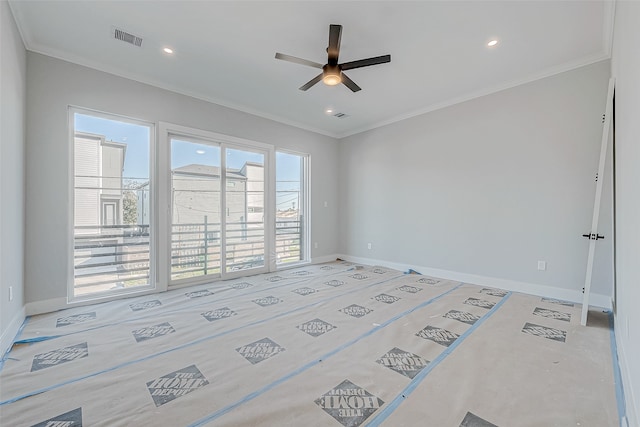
(136, 164)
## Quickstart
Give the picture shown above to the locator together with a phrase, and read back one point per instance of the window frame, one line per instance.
(152, 286)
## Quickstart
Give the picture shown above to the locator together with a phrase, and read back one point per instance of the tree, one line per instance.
(129, 207)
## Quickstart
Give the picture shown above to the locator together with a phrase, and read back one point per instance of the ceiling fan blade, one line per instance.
(333, 50)
(311, 82)
(350, 83)
(365, 62)
(298, 60)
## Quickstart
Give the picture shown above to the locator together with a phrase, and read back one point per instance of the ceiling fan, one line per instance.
(332, 72)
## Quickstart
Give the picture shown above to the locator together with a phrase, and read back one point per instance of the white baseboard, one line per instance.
(572, 295)
(9, 334)
(55, 304)
(323, 259)
(46, 306)
(633, 412)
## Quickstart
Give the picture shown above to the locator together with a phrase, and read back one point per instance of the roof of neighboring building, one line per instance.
(205, 170)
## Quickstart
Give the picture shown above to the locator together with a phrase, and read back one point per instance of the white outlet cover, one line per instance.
(542, 265)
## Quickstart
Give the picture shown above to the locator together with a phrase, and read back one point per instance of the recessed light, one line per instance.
(167, 50)
(328, 111)
(200, 151)
(492, 43)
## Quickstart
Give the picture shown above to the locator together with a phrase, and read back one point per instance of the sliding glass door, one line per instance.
(216, 207)
(244, 206)
(195, 208)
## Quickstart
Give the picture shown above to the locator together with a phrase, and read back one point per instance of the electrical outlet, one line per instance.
(315, 245)
(368, 245)
(10, 293)
(542, 265)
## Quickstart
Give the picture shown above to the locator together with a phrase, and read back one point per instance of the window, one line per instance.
(291, 208)
(111, 221)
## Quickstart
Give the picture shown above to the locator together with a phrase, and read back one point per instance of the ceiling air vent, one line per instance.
(127, 37)
(340, 115)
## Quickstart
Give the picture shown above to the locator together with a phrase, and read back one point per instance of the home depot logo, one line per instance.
(220, 313)
(316, 327)
(241, 285)
(301, 273)
(428, 281)
(493, 292)
(270, 300)
(387, 299)
(557, 301)
(326, 268)
(76, 318)
(171, 386)
(479, 303)
(349, 404)
(198, 294)
(274, 278)
(542, 331)
(359, 276)
(552, 314)
(304, 291)
(379, 271)
(59, 356)
(462, 316)
(334, 283)
(438, 335)
(259, 350)
(404, 362)
(154, 331)
(144, 305)
(356, 310)
(68, 419)
(410, 289)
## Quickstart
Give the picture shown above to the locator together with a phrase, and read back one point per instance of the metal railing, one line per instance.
(117, 256)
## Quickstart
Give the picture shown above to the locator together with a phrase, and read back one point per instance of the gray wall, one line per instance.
(12, 142)
(626, 70)
(53, 85)
(487, 187)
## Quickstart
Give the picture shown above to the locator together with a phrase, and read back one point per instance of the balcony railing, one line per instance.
(117, 256)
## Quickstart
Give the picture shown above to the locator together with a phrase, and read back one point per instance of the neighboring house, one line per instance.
(255, 193)
(98, 182)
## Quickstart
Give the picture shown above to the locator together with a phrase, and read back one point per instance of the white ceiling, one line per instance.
(224, 50)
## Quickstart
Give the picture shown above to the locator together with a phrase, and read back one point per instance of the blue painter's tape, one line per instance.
(37, 339)
(393, 405)
(189, 344)
(617, 376)
(298, 371)
(6, 354)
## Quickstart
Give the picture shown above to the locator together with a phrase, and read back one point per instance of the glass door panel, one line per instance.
(244, 210)
(195, 209)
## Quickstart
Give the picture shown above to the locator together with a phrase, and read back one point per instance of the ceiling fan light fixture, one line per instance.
(331, 75)
(332, 79)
